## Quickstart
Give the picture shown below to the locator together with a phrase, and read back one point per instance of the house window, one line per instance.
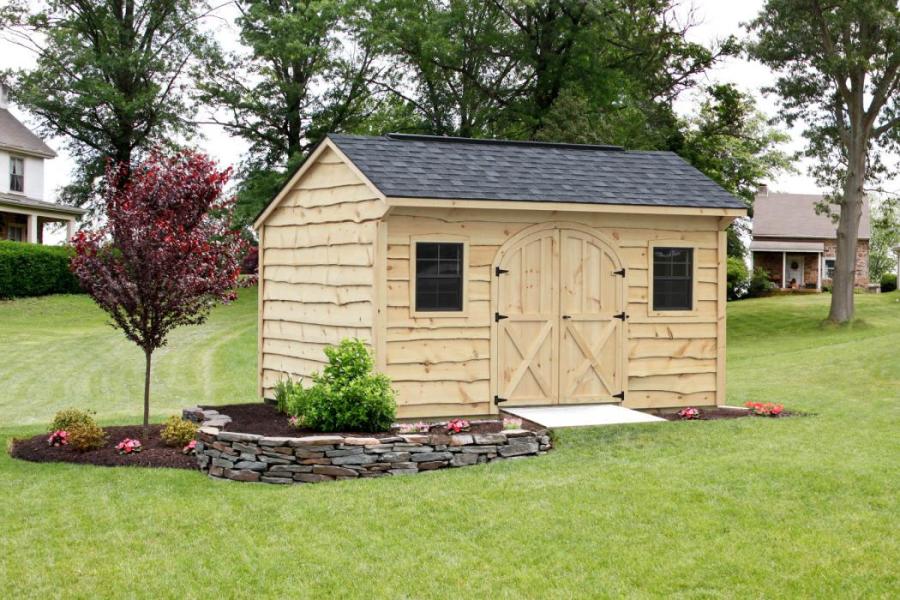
(439, 276)
(673, 278)
(15, 232)
(16, 174)
(829, 268)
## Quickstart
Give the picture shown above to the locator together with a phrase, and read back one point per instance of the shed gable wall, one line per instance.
(442, 366)
(317, 274)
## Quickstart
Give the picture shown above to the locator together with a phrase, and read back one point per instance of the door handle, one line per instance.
(567, 317)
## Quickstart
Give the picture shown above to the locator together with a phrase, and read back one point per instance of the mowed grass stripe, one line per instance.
(801, 507)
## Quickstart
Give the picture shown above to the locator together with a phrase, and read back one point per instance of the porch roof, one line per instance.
(25, 205)
(758, 246)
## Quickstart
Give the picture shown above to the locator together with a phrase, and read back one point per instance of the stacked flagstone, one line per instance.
(311, 459)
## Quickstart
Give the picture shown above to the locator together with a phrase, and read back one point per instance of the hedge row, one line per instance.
(35, 270)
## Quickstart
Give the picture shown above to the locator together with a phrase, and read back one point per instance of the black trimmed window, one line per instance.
(673, 278)
(439, 276)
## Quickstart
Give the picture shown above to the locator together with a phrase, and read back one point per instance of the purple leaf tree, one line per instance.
(166, 253)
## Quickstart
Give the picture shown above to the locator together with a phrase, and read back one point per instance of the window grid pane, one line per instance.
(673, 276)
(439, 273)
(16, 174)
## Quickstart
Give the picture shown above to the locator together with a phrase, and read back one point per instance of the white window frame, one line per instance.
(12, 161)
(825, 274)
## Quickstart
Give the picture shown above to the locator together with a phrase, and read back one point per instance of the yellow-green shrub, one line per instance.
(69, 417)
(86, 436)
(178, 431)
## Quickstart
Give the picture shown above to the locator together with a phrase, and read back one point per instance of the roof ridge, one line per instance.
(490, 141)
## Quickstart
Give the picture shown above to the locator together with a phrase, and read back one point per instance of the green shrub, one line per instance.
(346, 396)
(178, 431)
(888, 282)
(35, 270)
(760, 284)
(66, 419)
(86, 436)
(285, 393)
(738, 278)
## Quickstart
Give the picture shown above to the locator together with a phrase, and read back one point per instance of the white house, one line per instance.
(23, 210)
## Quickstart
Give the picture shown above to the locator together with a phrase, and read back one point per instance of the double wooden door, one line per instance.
(560, 320)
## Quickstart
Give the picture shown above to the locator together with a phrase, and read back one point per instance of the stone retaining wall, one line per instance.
(311, 459)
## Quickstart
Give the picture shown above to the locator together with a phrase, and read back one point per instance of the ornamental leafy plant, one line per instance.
(129, 446)
(347, 396)
(689, 413)
(69, 417)
(765, 409)
(178, 431)
(457, 425)
(58, 438)
(165, 255)
(86, 436)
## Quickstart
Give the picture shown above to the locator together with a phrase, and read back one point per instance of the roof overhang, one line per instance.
(550, 205)
(26, 151)
(758, 246)
(40, 208)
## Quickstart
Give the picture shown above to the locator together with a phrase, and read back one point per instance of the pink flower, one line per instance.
(190, 448)
(457, 425)
(689, 413)
(58, 438)
(129, 445)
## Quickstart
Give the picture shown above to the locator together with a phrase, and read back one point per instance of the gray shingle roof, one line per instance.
(15, 136)
(794, 216)
(457, 168)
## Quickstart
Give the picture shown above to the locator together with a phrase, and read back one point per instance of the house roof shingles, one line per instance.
(407, 166)
(16, 137)
(794, 216)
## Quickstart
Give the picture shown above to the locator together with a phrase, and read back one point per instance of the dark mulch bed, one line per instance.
(714, 414)
(154, 454)
(264, 419)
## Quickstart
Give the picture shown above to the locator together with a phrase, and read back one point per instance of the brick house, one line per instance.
(796, 245)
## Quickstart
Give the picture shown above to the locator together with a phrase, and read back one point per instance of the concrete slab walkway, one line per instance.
(581, 415)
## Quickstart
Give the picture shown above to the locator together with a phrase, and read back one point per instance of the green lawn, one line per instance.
(802, 507)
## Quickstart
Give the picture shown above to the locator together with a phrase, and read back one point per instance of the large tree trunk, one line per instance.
(147, 355)
(842, 305)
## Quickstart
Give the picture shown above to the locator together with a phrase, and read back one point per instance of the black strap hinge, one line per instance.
(620, 396)
(620, 272)
(498, 317)
(621, 316)
(498, 271)
(498, 399)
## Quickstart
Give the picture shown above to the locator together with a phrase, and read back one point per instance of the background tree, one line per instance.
(165, 253)
(733, 143)
(885, 237)
(838, 66)
(453, 63)
(306, 71)
(109, 76)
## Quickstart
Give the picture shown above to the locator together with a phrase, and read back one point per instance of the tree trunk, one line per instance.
(147, 355)
(842, 304)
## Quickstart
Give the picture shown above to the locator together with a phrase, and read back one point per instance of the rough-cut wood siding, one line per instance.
(442, 366)
(317, 270)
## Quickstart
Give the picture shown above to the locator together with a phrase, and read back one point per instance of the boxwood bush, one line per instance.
(888, 282)
(35, 270)
(346, 396)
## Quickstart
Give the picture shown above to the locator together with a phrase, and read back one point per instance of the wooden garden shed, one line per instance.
(494, 273)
